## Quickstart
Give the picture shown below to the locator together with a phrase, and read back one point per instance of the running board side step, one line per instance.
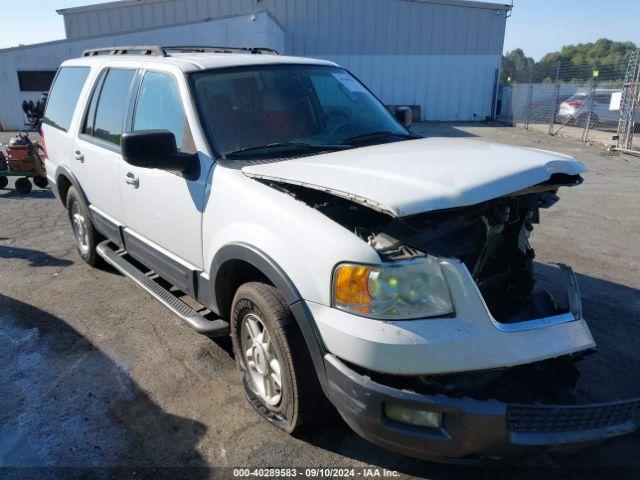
(116, 257)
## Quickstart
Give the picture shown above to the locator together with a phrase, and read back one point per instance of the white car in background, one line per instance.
(575, 110)
(276, 200)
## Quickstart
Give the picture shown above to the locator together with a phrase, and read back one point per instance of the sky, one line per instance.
(536, 26)
(543, 26)
(34, 21)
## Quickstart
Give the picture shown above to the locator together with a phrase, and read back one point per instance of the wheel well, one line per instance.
(63, 187)
(231, 275)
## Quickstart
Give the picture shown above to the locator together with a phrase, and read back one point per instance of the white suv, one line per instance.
(277, 200)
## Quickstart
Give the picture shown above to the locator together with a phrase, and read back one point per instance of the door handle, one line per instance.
(78, 156)
(132, 179)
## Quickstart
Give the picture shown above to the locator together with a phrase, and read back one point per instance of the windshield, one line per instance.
(248, 110)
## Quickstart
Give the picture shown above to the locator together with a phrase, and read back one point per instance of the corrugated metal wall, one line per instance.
(440, 55)
(245, 30)
(329, 26)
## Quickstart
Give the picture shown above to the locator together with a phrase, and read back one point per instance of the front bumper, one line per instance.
(471, 340)
(472, 430)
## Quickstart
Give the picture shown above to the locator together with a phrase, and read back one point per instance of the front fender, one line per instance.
(301, 313)
(303, 242)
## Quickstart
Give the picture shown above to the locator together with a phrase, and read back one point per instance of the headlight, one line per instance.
(393, 291)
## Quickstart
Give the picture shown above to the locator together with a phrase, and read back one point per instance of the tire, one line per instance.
(4, 181)
(302, 402)
(40, 181)
(23, 186)
(85, 236)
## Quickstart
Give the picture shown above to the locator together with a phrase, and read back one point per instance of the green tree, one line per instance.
(577, 62)
(516, 65)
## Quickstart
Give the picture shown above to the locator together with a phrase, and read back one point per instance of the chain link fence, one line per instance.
(579, 101)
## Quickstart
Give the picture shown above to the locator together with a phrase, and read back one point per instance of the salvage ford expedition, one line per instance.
(276, 200)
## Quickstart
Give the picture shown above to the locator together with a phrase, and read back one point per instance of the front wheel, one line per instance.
(85, 235)
(4, 181)
(278, 374)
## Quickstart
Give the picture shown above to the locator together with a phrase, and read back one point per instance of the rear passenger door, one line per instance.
(163, 209)
(60, 120)
(96, 153)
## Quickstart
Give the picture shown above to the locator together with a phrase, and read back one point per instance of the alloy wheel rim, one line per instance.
(261, 360)
(79, 228)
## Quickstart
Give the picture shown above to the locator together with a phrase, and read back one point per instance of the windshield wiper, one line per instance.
(363, 136)
(286, 147)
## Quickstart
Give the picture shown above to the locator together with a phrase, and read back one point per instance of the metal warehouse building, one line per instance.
(442, 56)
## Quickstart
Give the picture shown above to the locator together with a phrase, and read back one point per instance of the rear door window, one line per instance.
(90, 115)
(160, 107)
(64, 96)
(112, 105)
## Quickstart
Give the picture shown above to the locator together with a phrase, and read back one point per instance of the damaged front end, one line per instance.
(490, 380)
(491, 239)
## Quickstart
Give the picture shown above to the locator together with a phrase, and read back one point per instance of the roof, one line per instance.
(129, 3)
(189, 62)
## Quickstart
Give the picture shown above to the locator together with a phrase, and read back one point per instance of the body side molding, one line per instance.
(260, 260)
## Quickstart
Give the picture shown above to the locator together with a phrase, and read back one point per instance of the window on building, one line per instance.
(35, 80)
(112, 105)
(64, 96)
(159, 107)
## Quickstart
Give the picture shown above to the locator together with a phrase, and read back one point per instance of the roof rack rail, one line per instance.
(158, 51)
(211, 49)
(153, 50)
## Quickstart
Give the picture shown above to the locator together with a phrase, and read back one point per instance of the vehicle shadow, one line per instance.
(35, 193)
(612, 311)
(69, 411)
(36, 258)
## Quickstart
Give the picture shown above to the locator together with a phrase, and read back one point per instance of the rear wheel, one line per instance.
(85, 235)
(40, 181)
(278, 374)
(4, 181)
(23, 186)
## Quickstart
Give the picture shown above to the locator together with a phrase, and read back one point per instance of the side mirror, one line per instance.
(404, 115)
(156, 149)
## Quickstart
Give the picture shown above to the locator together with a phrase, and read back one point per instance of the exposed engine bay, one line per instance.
(491, 239)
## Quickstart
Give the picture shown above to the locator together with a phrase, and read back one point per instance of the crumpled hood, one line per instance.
(415, 176)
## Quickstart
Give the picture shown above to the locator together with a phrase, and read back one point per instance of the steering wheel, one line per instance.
(339, 117)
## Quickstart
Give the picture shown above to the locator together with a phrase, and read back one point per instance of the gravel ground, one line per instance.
(95, 375)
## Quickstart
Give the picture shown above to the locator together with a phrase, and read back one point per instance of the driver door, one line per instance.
(163, 209)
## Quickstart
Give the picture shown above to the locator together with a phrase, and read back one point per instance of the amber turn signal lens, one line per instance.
(351, 285)
(404, 290)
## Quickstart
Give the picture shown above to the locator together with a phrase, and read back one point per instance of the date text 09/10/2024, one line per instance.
(315, 472)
